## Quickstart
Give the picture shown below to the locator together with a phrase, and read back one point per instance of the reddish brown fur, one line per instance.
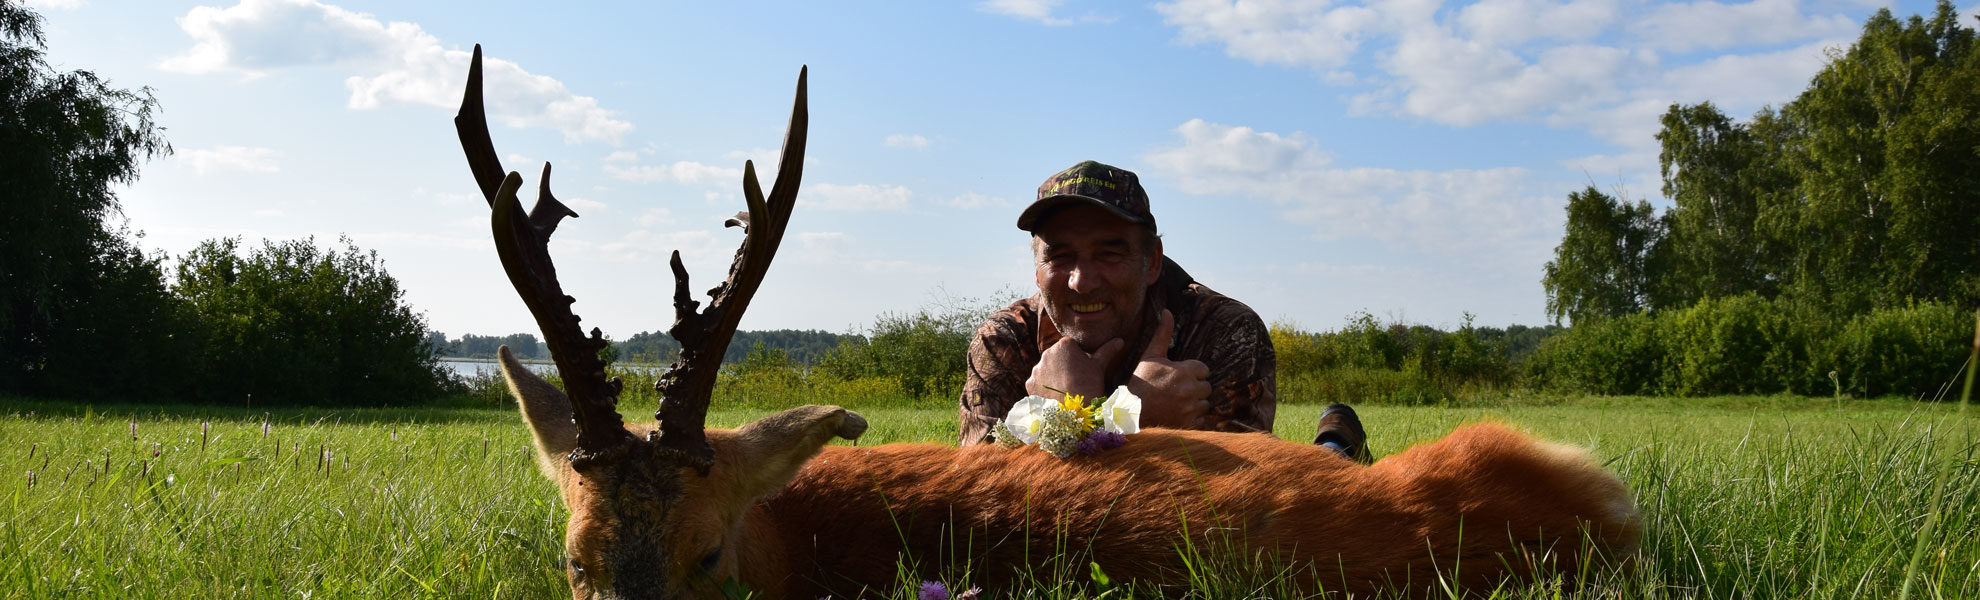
(792, 521)
(1360, 526)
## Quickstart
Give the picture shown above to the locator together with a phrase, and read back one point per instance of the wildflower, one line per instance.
(1107, 440)
(932, 590)
(1027, 418)
(1061, 434)
(1121, 413)
(1076, 404)
(970, 594)
(1003, 435)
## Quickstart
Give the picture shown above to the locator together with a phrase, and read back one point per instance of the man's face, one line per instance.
(1093, 269)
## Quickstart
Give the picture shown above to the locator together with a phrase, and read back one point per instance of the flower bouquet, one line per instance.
(1072, 424)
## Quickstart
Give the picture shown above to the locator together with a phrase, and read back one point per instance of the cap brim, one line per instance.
(1044, 206)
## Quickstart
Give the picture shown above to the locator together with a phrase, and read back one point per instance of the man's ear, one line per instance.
(544, 408)
(1154, 260)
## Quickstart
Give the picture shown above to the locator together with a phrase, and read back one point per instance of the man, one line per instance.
(1112, 310)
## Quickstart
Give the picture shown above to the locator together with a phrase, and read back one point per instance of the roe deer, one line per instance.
(670, 510)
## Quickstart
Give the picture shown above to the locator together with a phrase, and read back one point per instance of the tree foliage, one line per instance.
(292, 323)
(1861, 194)
(82, 309)
(483, 346)
(1607, 261)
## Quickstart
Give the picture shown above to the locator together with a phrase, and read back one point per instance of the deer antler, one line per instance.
(523, 243)
(689, 385)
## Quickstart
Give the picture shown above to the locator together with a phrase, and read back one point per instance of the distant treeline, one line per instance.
(806, 347)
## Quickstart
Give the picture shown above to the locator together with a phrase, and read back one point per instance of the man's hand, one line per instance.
(1174, 393)
(1068, 368)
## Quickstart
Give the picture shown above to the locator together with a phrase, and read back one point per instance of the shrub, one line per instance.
(1911, 351)
(1622, 355)
(1732, 345)
(294, 324)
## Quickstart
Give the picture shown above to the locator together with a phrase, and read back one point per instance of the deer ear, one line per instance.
(544, 409)
(768, 452)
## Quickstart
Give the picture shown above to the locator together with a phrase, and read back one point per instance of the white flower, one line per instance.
(1060, 434)
(1121, 413)
(1003, 436)
(1027, 417)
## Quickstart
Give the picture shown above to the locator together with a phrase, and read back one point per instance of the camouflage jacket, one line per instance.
(1223, 333)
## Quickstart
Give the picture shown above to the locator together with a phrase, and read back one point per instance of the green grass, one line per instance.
(1744, 497)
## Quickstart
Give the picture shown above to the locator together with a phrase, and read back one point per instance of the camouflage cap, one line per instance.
(1106, 186)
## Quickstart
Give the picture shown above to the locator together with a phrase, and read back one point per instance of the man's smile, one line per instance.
(1087, 308)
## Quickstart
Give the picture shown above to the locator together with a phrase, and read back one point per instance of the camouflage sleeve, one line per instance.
(1000, 359)
(1237, 347)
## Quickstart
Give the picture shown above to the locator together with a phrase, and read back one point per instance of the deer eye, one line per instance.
(575, 567)
(708, 562)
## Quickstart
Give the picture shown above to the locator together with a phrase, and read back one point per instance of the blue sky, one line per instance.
(1313, 159)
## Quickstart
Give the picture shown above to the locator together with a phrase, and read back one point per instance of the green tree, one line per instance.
(1720, 176)
(82, 310)
(1608, 261)
(1889, 176)
(295, 324)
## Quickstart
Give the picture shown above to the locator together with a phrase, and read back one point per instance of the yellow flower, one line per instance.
(1076, 404)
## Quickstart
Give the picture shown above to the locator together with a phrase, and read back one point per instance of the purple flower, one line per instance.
(932, 590)
(1108, 440)
(1100, 439)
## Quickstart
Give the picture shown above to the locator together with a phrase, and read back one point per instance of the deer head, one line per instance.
(654, 509)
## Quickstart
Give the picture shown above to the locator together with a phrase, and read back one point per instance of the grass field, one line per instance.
(1746, 497)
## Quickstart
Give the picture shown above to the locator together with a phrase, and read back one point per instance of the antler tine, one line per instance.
(689, 385)
(522, 241)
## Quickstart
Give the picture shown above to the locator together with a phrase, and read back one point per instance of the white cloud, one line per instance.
(1711, 25)
(655, 217)
(622, 156)
(899, 140)
(646, 246)
(822, 246)
(232, 158)
(1442, 212)
(395, 62)
(1037, 10)
(1599, 65)
(1503, 22)
(582, 205)
(973, 201)
(861, 197)
(443, 198)
(686, 171)
(1289, 32)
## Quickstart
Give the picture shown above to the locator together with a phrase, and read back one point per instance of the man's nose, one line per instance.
(1082, 277)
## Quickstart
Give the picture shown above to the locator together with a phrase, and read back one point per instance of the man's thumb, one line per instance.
(1165, 333)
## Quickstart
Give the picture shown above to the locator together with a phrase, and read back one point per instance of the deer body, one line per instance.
(671, 509)
(1130, 508)
(1487, 500)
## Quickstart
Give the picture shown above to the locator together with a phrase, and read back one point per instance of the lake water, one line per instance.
(468, 368)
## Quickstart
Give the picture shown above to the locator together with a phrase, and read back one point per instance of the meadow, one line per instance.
(1743, 497)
